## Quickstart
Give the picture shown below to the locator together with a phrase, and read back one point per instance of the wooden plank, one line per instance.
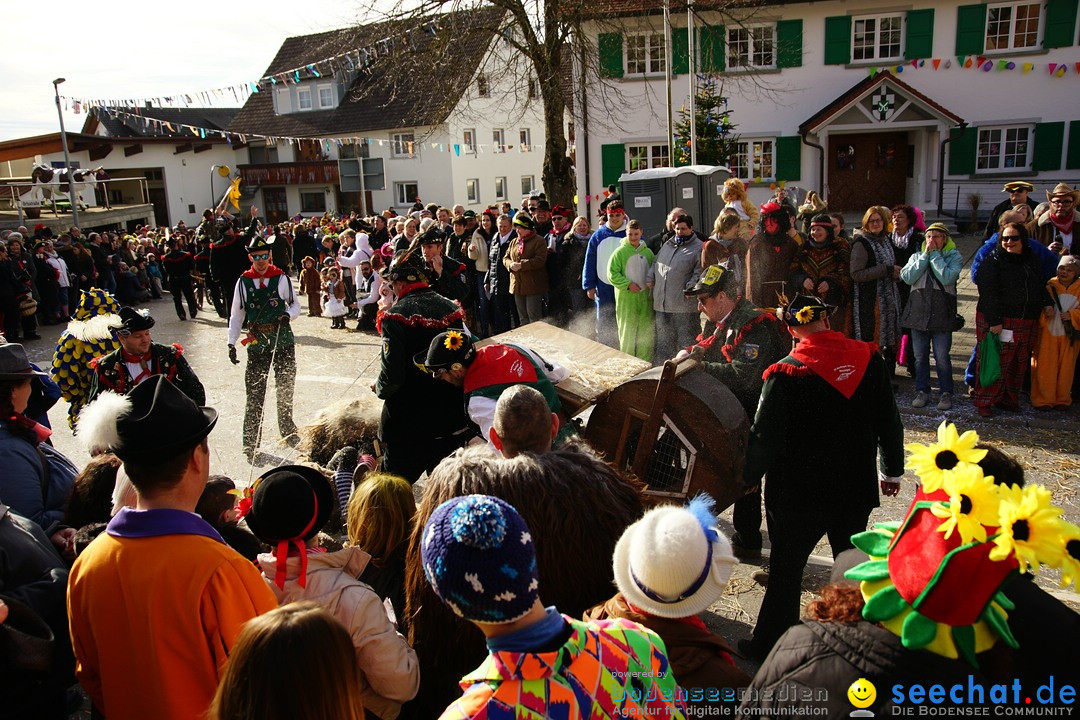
(595, 369)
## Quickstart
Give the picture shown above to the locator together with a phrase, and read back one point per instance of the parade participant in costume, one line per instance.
(744, 342)
(263, 304)
(603, 243)
(457, 249)
(178, 264)
(483, 373)
(139, 358)
(89, 335)
(163, 655)
(1018, 195)
(480, 560)
(1053, 361)
(820, 464)
(822, 268)
(228, 258)
(311, 285)
(769, 257)
(670, 566)
(423, 420)
(734, 197)
(1056, 228)
(629, 270)
(202, 266)
(448, 275)
(287, 508)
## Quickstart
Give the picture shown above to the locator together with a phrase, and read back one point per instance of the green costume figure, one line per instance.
(627, 269)
(264, 303)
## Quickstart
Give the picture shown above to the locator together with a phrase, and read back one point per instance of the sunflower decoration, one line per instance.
(454, 340)
(805, 315)
(973, 504)
(1070, 554)
(934, 461)
(1030, 527)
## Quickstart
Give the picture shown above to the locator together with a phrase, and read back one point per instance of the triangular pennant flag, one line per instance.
(1052, 67)
(457, 149)
(1078, 68)
(1028, 67)
(1002, 64)
(936, 62)
(873, 71)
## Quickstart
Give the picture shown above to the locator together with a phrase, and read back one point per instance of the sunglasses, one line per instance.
(260, 256)
(1010, 238)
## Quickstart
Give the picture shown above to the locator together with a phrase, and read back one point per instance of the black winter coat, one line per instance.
(1011, 286)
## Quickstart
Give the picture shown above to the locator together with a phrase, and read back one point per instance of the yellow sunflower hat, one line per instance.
(935, 578)
(447, 350)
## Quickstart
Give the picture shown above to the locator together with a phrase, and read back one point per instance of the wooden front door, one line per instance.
(868, 169)
(277, 207)
(161, 206)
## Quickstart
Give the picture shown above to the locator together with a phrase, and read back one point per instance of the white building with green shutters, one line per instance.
(869, 102)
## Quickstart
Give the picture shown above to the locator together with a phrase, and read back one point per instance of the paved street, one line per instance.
(335, 365)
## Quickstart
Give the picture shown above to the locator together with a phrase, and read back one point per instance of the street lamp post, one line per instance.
(67, 158)
(223, 171)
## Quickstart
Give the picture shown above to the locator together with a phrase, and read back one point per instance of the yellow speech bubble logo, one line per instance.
(862, 693)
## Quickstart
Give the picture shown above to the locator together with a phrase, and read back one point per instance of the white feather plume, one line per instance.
(97, 422)
(99, 327)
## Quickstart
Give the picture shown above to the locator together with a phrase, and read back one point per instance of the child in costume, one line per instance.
(286, 508)
(334, 299)
(1053, 363)
(734, 196)
(88, 335)
(628, 269)
(311, 283)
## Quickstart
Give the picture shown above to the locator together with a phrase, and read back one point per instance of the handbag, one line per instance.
(26, 641)
(27, 305)
(958, 321)
(1070, 331)
(989, 360)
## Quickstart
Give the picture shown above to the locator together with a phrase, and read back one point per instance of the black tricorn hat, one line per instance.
(133, 320)
(407, 266)
(291, 502)
(446, 349)
(259, 243)
(160, 421)
(714, 280)
(802, 310)
(432, 236)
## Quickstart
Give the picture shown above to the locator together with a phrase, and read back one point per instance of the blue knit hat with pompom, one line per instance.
(478, 556)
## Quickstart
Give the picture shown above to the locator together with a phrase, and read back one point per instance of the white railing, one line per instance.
(13, 195)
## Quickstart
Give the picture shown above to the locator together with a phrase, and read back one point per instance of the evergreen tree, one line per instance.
(716, 136)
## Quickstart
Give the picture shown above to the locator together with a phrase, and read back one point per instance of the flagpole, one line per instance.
(693, 71)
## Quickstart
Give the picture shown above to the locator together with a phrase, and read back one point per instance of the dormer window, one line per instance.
(326, 97)
(303, 98)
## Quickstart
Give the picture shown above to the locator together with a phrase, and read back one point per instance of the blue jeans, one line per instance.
(921, 341)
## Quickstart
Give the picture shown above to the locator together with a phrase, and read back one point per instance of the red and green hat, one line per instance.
(935, 578)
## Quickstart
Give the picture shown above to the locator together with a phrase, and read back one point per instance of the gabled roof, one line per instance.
(133, 122)
(441, 54)
(864, 87)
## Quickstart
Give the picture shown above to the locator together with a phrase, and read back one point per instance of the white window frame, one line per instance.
(472, 190)
(994, 142)
(399, 145)
(330, 89)
(1010, 45)
(500, 189)
(876, 56)
(528, 185)
(402, 194)
(498, 140)
(650, 45)
(301, 93)
(643, 156)
(755, 47)
(758, 154)
(525, 139)
(483, 86)
(468, 140)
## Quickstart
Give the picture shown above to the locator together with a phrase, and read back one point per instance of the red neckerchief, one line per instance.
(691, 620)
(411, 287)
(142, 361)
(271, 271)
(41, 433)
(1064, 226)
(837, 360)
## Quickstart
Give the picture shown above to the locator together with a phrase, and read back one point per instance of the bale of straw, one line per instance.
(353, 422)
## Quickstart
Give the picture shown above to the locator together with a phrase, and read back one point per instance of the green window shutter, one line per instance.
(1060, 23)
(612, 163)
(789, 157)
(1049, 138)
(962, 151)
(920, 34)
(788, 43)
(1072, 155)
(611, 55)
(838, 40)
(680, 51)
(713, 48)
(970, 29)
